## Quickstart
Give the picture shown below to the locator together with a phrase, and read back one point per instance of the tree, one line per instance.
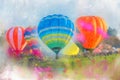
(2, 38)
(113, 41)
(112, 32)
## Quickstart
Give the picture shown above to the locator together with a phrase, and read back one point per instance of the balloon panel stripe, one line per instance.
(11, 38)
(19, 38)
(99, 26)
(55, 35)
(55, 32)
(56, 28)
(55, 44)
(8, 37)
(15, 34)
(54, 38)
(23, 39)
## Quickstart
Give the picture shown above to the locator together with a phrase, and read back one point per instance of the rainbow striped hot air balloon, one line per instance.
(27, 34)
(56, 31)
(15, 38)
(31, 37)
(32, 41)
(34, 38)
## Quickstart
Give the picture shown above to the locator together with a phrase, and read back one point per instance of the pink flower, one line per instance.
(45, 72)
(37, 53)
(40, 69)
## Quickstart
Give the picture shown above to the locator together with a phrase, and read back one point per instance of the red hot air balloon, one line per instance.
(93, 30)
(15, 38)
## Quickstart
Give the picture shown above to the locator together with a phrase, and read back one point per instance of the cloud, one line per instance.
(25, 12)
(107, 9)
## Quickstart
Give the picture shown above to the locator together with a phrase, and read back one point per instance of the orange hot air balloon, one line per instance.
(93, 29)
(15, 38)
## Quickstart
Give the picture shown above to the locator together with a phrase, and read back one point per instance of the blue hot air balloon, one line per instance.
(56, 31)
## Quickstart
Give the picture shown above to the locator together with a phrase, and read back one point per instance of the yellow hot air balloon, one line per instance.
(71, 49)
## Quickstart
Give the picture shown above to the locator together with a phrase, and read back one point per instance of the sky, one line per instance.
(30, 12)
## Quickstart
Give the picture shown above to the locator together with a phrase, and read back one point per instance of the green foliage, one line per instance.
(113, 41)
(112, 32)
(65, 61)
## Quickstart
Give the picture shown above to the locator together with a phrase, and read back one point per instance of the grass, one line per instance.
(75, 67)
(65, 61)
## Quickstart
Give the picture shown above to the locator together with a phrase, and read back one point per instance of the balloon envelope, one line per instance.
(32, 41)
(27, 34)
(31, 36)
(55, 31)
(15, 38)
(93, 30)
(71, 49)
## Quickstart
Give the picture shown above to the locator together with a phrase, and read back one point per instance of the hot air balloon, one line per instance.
(32, 41)
(34, 38)
(93, 30)
(31, 36)
(27, 34)
(56, 31)
(15, 38)
(71, 49)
